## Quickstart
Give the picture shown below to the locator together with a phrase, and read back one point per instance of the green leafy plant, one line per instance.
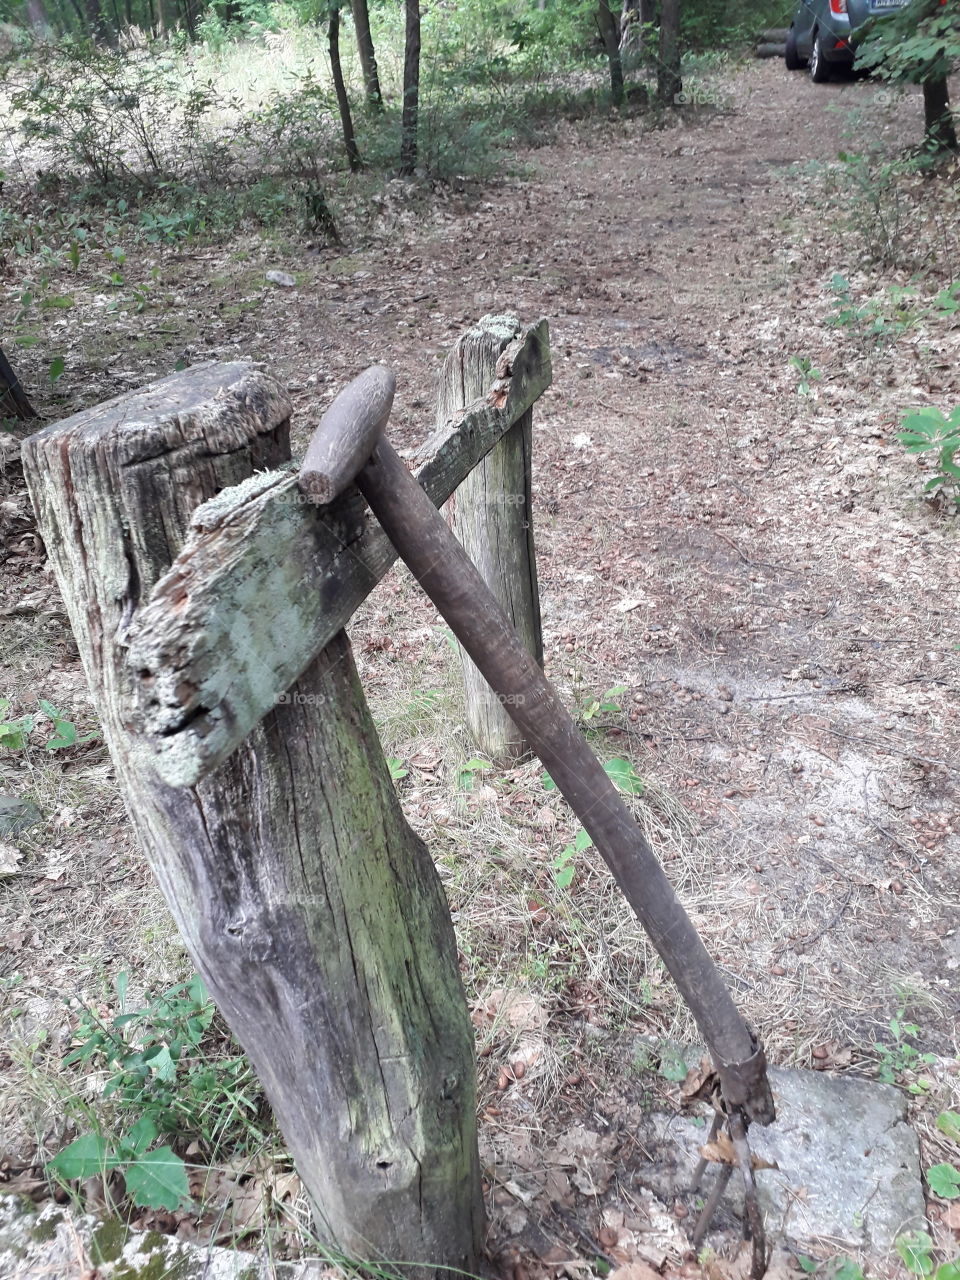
(947, 301)
(467, 773)
(807, 375)
(172, 1071)
(15, 734)
(944, 1181)
(155, 1177)
(564, 864)
(902, 1057)
(918, 44)
(398, 769)
(620, 772)
(624, 777)
(877, 320)
(594, 707)
(916, 1252)
(64, 730)
(928, 431)
(846, 1269)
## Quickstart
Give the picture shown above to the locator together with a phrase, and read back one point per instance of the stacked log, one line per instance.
(772, 43)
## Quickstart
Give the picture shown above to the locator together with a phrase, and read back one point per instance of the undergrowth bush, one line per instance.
(896, 210)
(169, 1070)
(114, 115)
(242, 125)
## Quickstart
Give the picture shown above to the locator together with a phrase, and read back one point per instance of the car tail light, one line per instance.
(838, 6)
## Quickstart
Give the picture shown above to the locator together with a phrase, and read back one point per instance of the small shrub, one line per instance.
(928, 431)
(878, 321)
(901, 1058)
(172, 1071)
(15, 734)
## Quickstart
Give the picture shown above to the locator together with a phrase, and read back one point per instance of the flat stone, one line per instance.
(17, 814)
(47, 1243)
(848, 1162)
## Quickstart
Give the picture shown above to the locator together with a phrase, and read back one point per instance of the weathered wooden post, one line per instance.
(313, 912)
(491, 515)
(208, 604)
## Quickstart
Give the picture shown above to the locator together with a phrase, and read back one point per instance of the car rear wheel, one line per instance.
(819, 67)
(791, 56)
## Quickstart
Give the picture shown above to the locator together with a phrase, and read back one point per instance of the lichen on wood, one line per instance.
(270, 578)
(491, 514)
(312, 911)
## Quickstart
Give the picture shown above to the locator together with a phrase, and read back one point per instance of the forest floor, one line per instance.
(753, 560)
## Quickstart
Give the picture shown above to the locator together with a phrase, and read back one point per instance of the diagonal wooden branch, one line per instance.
(265, 581)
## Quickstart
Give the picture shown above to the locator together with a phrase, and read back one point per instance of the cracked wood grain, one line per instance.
(492, 516)
(312, 911)
(265, 580)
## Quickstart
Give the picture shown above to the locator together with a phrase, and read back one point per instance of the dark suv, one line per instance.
(820, 34)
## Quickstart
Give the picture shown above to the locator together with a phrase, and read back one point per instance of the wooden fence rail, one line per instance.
(208, 603)
(272, 578)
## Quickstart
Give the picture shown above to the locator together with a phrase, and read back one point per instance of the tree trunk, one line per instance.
(37, 17)
(96, 23)
(669, 84)
(411, 90)
(939, 128)
(81, 17)
(610, 34)
(491, 515)
(188, 16)
(630, 25)
(368, 56)
(343, 102)
(310, 908)
(13, 398)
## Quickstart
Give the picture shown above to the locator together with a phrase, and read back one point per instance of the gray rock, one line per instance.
(848, 1162)
(48, 1244)
(17, 814)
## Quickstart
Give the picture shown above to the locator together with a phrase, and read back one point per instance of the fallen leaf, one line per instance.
(10, 855)
(699, 1081)
(634, 1271)
(555, 1256)
(720, 1150)
(514, 1006)
(594, 1178)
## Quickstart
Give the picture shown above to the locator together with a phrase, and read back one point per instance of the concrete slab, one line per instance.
(53, 1243)
(849, 1163)
(17, 814)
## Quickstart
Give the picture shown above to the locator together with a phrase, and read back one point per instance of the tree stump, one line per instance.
(491, 514)
(13, 398)
(312, 911)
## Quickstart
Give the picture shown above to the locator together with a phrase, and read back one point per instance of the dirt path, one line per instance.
(753, 567)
